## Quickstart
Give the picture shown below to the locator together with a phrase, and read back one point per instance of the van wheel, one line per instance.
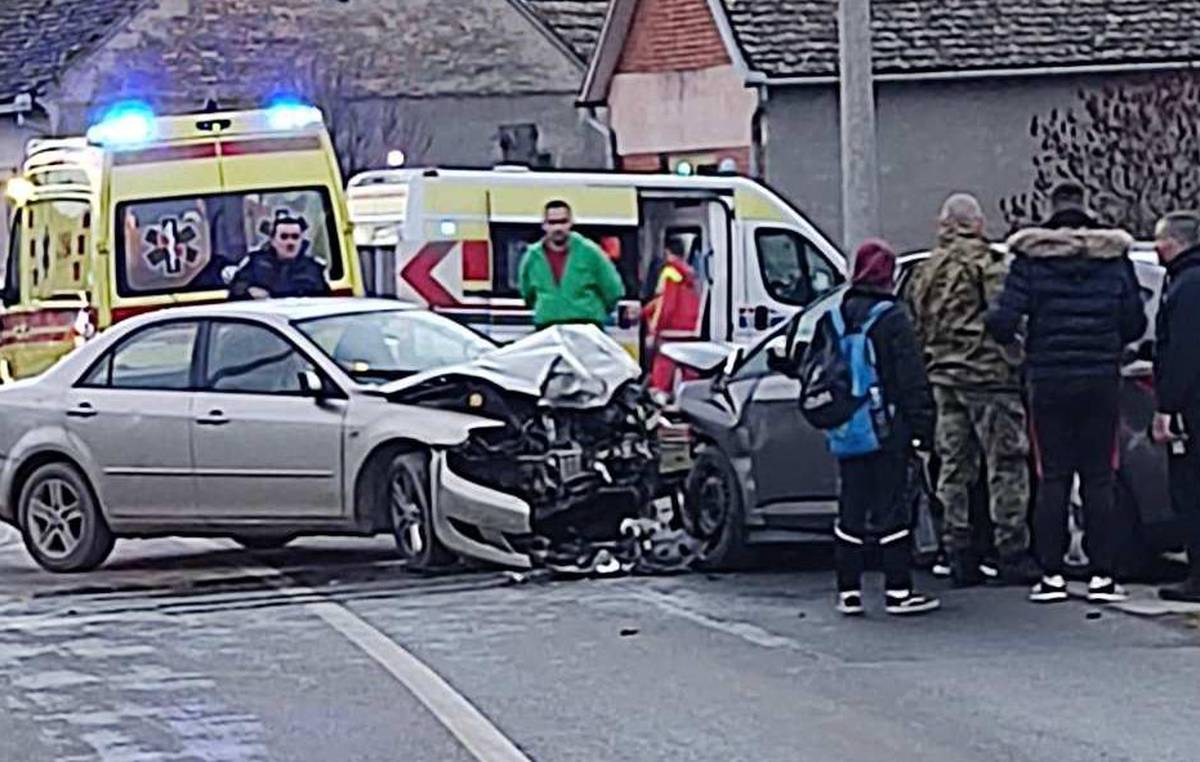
(411, 513)
(61, 522)
(713, 511)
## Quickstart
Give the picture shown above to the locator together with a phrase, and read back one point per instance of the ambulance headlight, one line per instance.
(293, 115)
(125, 124)
(19, 190)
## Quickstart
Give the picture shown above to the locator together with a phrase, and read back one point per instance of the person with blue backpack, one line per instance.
(864, 383)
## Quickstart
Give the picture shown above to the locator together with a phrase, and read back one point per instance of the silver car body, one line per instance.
(214, 463)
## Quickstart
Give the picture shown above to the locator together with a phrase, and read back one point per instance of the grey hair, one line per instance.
(1181, 226)
(961, 210)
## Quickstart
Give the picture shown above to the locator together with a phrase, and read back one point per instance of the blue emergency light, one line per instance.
(291, 114)
(125, 124)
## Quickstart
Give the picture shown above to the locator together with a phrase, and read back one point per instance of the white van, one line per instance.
(453, 240)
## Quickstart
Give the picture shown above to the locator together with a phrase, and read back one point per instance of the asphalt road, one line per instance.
(191, 650)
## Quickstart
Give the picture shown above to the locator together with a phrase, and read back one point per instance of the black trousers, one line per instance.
(875, 509)
(1185, 494)
(1075, 433)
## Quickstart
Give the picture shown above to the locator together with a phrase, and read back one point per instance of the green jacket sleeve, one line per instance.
(525, 280)
(612, 288)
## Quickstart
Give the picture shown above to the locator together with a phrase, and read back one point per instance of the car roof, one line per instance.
(286, 309)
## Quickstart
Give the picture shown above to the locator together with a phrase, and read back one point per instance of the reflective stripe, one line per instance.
(841, 534)
(893, 537)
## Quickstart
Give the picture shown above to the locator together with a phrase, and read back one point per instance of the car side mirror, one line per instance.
(311, 385)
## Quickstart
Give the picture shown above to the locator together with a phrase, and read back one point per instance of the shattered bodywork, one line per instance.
(568, 476)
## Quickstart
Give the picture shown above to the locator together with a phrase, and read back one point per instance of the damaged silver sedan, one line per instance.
(270, 420)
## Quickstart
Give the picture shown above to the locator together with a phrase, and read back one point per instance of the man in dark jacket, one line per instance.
(875, 504)
(281, 268)
(1073, 285)
(1177, 382)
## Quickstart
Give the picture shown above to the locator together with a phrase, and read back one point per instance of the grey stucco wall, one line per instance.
(935, 138)
(465, 129)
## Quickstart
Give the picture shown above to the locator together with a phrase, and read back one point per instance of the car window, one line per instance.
(251, 359)
(159, 357)
(792, 268)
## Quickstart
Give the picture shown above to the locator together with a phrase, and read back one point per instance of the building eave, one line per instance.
(756, 78)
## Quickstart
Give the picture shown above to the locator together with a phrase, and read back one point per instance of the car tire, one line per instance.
(264, 541)
(410, 512)
(61, 522)
(713, 512)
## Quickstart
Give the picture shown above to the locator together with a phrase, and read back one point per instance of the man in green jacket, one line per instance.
(565, 278)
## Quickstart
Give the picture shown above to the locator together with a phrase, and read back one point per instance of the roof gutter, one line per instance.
(758, 78)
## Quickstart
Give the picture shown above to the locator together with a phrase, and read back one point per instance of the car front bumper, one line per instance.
(474, 520)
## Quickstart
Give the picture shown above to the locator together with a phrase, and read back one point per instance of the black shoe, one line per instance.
(965, 570)
(1188, 592)
(941, 566)
(909, 603)
(1020, 570)
(1049, 590)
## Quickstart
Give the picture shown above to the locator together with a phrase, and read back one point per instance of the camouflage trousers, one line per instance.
(983, 429)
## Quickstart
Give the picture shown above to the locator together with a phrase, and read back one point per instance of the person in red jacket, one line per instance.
(673, 314)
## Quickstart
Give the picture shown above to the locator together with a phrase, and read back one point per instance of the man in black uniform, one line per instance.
(282, 268)
(1177, 382)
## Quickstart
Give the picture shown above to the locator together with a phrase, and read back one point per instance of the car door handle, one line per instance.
(82, 410)
(214, 418)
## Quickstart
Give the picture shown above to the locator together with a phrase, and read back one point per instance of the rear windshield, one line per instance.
(196, 243)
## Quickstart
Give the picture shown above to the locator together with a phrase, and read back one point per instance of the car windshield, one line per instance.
(375, 347)
(196, 243)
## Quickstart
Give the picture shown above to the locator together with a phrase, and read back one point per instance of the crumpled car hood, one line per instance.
(570, 366)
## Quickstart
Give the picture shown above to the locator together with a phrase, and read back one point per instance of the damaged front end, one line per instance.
(578, 446)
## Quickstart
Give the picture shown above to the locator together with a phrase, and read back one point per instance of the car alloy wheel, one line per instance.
(56, 519)
(407, 520)
(61, 523)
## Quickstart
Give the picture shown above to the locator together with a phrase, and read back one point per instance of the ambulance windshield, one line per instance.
(198, 243)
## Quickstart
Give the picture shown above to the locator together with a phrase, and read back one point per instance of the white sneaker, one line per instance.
(850, 603)
(1105, 590)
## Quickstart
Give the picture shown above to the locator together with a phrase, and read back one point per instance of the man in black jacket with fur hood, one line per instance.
(1073, 288)
(1177, 382)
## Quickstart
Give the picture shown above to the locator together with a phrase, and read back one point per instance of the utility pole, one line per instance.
(860, 177)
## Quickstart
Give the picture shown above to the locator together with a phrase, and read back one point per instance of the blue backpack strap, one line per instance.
(878, 311)
(839, 322)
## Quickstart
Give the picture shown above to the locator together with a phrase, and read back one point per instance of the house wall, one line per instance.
(935, 138)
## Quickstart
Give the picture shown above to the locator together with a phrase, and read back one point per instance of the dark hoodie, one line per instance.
(1075, 285)
(1177, 354)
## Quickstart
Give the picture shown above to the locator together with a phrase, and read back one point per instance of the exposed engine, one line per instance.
(582, 470)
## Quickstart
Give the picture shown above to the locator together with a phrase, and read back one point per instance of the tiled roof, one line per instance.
(577, 22)
(798, 38)
(38, 37)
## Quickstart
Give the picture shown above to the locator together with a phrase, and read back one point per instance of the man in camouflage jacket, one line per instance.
(977, 387)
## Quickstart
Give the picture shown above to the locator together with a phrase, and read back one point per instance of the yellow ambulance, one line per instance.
(147, 212)
(453, 240)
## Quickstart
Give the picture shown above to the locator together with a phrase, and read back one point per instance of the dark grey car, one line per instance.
(760, 474)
